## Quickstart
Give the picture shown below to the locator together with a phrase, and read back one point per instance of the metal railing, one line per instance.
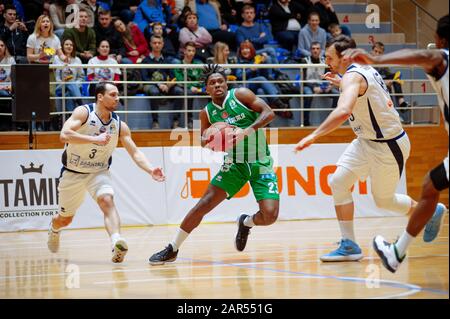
(300, 97)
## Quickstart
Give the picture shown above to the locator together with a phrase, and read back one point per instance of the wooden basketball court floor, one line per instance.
(280, 261)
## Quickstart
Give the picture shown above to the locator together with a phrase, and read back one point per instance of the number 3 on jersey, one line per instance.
(93, 152)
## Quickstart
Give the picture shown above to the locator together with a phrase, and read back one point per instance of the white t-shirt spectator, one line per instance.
(68, 74)
(49, 45)
(5, 72)
(101, 71)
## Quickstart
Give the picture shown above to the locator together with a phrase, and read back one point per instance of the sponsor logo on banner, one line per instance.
(32, 194)
(315, 179)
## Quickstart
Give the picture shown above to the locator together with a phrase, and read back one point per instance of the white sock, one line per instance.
(402, 243)
(180, 237)
(115, 237)
(248, 221)
(347, 230)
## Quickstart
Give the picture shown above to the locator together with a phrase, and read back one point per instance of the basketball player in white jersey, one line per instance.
(428, 212)
(91, 134)
(379, 151)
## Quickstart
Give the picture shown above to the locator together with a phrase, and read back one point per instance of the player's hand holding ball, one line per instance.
(220, 136)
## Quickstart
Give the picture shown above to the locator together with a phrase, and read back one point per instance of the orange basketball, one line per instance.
(218, 136)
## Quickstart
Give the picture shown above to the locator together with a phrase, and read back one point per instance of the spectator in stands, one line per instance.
(312, 33)
(388, 77)
(334, 30)
(165, 78)
(72, 76)
(5, 86)
(104, 69)
(192, 32)
(105, 31)
(60, 11)
(194, 76)
(229, 11)
(43, 44)
(257, 33)
(285, 17)
(150, 11)
(83, 37)
(15, 34)
(169, 51)
(222, 56)
(125, 9)
(92, 8)
(134, 40)
(35, 8)
(209, 18)
(328, 15)
(315, 83)
(247, 55)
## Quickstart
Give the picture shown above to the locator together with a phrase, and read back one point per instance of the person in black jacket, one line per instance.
(105, 30)
(15, 34)
(328, 16)
(125, 9)
(285, 17)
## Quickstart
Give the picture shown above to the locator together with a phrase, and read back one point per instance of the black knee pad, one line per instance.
(439, 178)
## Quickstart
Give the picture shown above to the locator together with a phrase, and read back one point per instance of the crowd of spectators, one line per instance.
(102, 34)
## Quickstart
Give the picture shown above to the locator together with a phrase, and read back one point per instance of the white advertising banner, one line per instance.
(303, 180)
(29, 180)
(28, 191)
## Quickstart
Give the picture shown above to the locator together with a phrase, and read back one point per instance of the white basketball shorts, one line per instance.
(73, 186)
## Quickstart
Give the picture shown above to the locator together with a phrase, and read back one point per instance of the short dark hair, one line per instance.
(246, 7)
(100, 88)
(313, 13)
(10, 7)
(443, 28)
(104, 12)
(156, 37)
(332, 26)
(211, 69)
(315, 43)
(342, 43)
(190, 44)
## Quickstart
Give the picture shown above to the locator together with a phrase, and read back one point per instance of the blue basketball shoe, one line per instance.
(348, 251)
(434, 224)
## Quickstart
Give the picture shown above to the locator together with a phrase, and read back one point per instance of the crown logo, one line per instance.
(31, 169)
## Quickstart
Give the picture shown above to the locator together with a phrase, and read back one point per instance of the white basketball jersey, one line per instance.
(441, 87)
(92, 158)
(374, 116)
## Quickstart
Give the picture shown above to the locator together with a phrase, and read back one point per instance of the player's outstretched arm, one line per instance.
(351, 86)
(69, 132)
(137, 155)
(429, 60)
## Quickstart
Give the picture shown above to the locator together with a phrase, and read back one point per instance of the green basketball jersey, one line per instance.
(254, 147)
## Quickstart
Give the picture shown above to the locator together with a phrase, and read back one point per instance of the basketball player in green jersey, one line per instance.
(248, 161)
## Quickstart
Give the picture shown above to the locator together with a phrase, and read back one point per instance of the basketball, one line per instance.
(217, 136)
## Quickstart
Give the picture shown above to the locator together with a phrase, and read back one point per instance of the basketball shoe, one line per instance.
(242, 233)
(388, 253)
(434, 224)
(348, 250)
(166, 255)
(119, 250)
(53, 240)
